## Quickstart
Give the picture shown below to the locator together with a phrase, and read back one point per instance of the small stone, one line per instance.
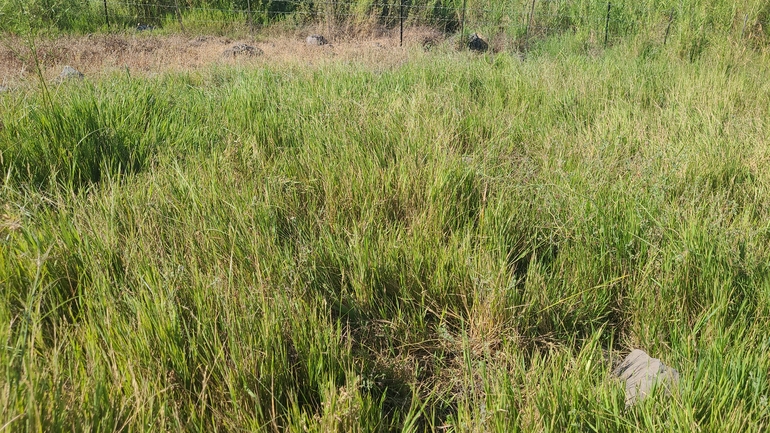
(475, 43)
(242, 50)
(200, 40)
(315, 40)
(641, 373)
(69, 73)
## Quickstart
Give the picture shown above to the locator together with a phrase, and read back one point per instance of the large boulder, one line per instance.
(475, 43)
(642, 373)
(314, 40)
(242, 50)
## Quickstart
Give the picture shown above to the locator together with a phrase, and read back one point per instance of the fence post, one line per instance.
(607, 25)
(178, 14)
(462, 25)
(401, 24)
(529, 22)
(106, 15)
(250, 17)
(668, 27)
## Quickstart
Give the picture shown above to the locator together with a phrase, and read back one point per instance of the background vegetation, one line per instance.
(462, 243)
(695, 22)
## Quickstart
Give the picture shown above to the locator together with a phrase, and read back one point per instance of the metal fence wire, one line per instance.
(519, 21)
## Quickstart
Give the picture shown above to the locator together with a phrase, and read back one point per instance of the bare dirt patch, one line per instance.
(95, 55)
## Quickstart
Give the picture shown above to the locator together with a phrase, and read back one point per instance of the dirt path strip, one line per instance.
(141, 53)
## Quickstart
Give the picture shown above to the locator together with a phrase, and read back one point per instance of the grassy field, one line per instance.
(460, 243)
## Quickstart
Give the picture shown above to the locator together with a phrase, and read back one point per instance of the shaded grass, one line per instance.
(462, 243)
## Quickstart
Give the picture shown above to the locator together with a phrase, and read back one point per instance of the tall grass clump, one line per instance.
(77, 132)
(459, 243)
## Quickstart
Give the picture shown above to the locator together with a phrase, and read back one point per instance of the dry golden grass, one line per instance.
(96, 55)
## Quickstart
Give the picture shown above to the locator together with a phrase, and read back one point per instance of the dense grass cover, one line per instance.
(461, 243)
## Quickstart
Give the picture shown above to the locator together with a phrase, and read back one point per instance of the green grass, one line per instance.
(462, 243)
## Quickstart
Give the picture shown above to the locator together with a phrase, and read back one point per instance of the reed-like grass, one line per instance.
(462, 243)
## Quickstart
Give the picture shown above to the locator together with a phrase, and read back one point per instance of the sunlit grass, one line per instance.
(461, 243)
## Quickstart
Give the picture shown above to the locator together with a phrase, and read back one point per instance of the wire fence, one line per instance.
(521, 22)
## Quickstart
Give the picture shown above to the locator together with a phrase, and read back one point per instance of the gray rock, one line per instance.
(475, 43)
(69, 73)
(315, 40)
(144, 27)
(242, 50)
(642, 373)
